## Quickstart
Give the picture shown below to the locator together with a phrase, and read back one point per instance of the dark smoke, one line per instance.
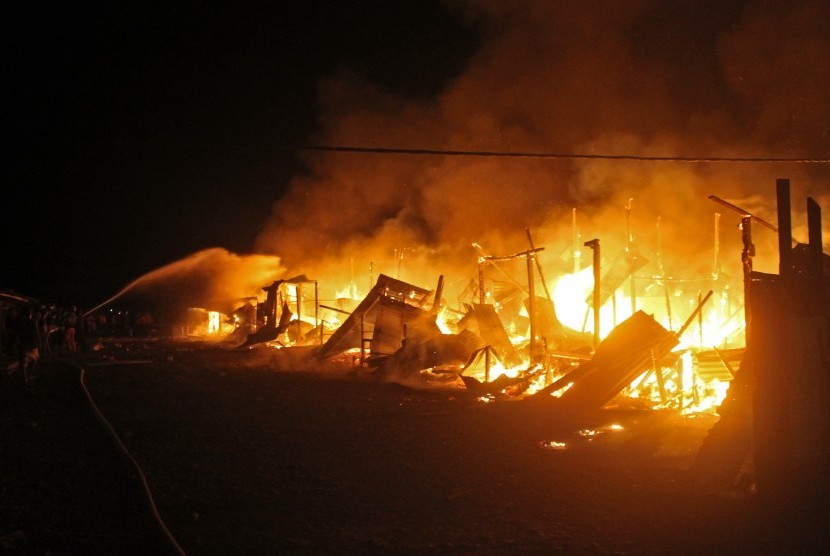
(702, 78)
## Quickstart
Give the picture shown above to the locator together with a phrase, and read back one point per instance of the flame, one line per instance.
(348, 292)
(214, 322)
(442, 204)
(441, 322)
(685, 390)
(569, 293)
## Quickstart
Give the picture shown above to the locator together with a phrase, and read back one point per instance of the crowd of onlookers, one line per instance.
(55, 328)
(29, 331)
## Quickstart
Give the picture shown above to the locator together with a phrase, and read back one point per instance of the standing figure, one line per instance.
(29, 344)
(70, 324)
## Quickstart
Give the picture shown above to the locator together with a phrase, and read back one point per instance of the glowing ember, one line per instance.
(590, 434)
(553, 445)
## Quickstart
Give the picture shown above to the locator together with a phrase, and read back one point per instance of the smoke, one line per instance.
(688, 79)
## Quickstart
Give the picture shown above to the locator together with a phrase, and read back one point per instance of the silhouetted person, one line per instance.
(70, 324)
(28, 344)
(80, 332)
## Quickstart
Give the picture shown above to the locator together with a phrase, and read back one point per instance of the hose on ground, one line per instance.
(126, 453)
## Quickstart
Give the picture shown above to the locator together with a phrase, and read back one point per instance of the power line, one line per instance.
(491, 154)
(565, 156)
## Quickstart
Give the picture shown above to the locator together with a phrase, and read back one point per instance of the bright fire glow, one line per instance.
(441, 322)
(569, 295)
(681, 386)
(718, 324)
(349, 292)
(214, 322)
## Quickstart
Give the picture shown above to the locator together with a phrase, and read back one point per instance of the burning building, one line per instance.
(609, 122)
(601, 128)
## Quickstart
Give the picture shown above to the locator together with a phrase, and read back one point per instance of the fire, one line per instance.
(441, 321)
(301, 313)
(348, 292)
(214, 322)
(569, 293)
(680, 386)
(718, 326)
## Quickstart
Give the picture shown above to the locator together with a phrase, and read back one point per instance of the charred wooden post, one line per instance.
(785, 265)
(538, 267)
(816, 248)
(746, 260)
(362, 341)
(317, 321)
(531, 288)
(594, 245)
(481, 296)
(299, 290)
(439, 291)
(701, 303)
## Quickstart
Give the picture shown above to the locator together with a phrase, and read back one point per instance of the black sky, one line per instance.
(141, 133)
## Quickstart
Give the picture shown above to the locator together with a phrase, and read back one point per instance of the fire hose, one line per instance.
(129, 457)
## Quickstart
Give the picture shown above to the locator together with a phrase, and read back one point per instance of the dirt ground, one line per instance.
(246, 453)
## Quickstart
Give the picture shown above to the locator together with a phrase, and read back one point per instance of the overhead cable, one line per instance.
(566, 156)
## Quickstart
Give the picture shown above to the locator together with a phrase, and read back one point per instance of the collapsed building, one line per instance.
(501, 334)
(505, 339)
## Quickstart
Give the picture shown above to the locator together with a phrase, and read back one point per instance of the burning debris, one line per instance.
(510, 344)
(275, 316)
(636, 345)
(506, 342)
(484, 321)
(503, 341)
(391, 312)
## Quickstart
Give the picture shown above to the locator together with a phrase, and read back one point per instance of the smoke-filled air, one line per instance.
(212, 277)
(602, 78)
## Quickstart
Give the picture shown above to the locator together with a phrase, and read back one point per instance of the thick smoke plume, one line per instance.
(687, 79)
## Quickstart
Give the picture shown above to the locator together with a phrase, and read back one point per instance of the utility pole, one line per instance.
(594, 245)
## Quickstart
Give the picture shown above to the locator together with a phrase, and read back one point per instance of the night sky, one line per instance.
(140, 133)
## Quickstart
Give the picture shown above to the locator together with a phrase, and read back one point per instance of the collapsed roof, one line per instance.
(390, 306)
